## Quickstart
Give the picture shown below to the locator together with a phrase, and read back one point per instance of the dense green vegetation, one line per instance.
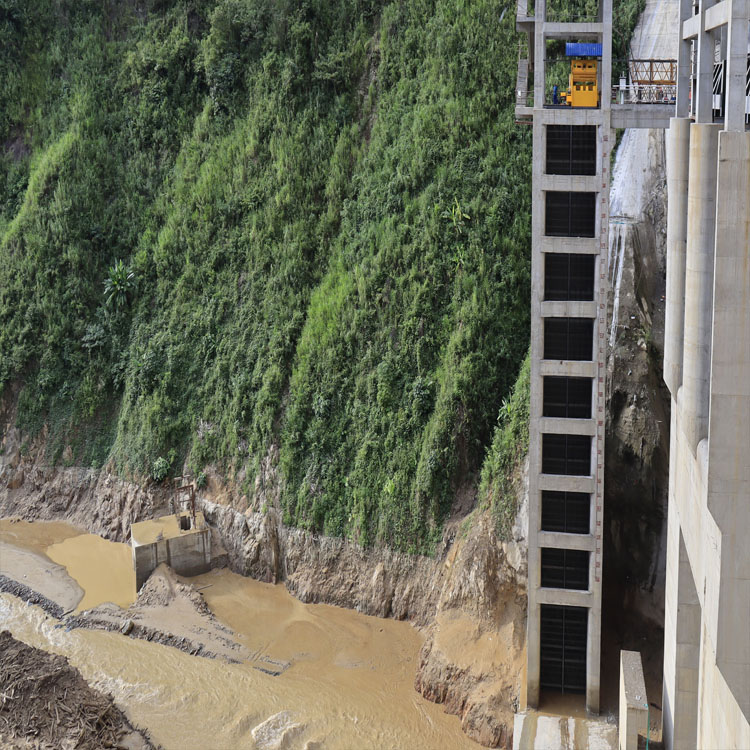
(227, 225)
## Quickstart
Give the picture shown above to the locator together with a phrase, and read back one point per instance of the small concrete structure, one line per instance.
(633, 700)
(173, 540)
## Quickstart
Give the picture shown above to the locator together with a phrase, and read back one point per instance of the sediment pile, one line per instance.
(45, 703)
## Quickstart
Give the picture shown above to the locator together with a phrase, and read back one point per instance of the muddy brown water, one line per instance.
(349, 686)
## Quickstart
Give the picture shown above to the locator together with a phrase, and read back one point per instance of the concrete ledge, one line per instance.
(645, 116)
(583, 245)
(569, 310)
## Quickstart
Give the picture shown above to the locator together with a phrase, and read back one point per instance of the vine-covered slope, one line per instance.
(228, 226)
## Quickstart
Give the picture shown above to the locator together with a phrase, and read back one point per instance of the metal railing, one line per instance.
(643, 81)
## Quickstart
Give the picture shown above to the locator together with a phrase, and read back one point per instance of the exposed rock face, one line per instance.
(637, 440)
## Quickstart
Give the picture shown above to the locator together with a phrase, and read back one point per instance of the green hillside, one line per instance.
(227, 225)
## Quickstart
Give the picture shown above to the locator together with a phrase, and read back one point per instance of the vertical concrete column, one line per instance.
(704, 85)
(684, 50)
(678, 157)
(593, 658)
(540, 53)
(606, 82)
(535, 414)
(682, 626)
(699, 281)
(737, 40)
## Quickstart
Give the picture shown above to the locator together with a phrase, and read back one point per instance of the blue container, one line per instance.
(583, 49)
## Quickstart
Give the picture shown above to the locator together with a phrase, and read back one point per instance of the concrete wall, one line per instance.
(188, 555)
(707, 621)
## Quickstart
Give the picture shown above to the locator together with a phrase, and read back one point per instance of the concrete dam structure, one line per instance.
(707, 370)
(181, 540)
(702, 100)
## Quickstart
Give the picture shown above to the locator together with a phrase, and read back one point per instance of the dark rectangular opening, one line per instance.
(570, 214)
(565, 569)
(571, 149)
(562, 638)
(567, 398)
(568, 512)
(569, 338)
(568, 276)
(567, 455)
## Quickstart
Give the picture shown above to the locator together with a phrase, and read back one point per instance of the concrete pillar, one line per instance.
(684, 63)
(533, 646)
(593, 659)
(682, 626)
(678, 157)
(540, 54)
(737, 40)
(699, 281)
(704, 85)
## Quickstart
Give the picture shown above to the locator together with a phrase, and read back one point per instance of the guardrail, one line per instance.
(644, 81)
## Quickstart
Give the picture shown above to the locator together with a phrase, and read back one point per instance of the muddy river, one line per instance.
(349, 686)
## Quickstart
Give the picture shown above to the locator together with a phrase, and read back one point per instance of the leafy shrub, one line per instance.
(160, 469)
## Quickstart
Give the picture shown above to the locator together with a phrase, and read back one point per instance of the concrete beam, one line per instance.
(642, 116)
(568, 310)
(566, 484)
(565, 597)
(577, 31)
(556, 426)
(719, 15)
(568, 368)
(583, 245)
(558, 540)
(571, 183)
(692, 27)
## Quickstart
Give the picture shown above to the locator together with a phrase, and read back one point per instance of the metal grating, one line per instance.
(565, 569)
(569, 277)
(571, 149)
(567, 398)
(563, 637)
(566, 512)
(570, 214)
(566, 455)
(569, 338)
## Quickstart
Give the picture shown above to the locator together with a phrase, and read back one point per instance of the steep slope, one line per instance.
(241, 228)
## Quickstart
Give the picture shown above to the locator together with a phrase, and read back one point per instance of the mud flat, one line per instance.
(288, 675)
(22, 560)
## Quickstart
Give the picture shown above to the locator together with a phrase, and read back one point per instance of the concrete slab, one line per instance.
(533, 730)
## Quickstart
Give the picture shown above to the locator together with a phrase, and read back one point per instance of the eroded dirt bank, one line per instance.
(469, 600)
